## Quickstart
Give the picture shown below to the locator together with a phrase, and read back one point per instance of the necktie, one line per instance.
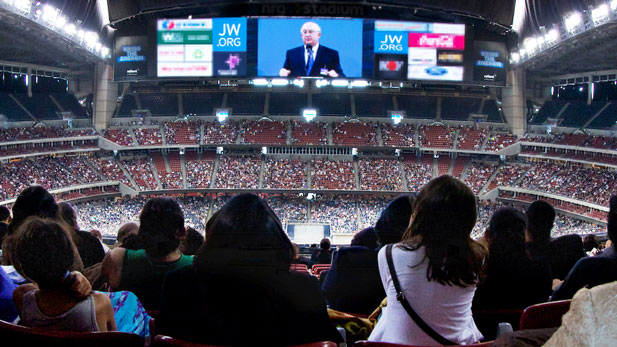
(310, 61)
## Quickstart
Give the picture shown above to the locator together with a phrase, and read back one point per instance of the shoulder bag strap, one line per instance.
(401, 298)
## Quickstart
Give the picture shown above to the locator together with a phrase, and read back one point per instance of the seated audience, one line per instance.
(5, 218)
(437, 265)
(593, 271)
(323, 255)
(563, 252)
(89, 247)
(126, 230)
(161, 226)
(8, 312)
(239, 291)
(352, 284)
(34, 201)
(512, 278)
(43, 254)
(191, 243)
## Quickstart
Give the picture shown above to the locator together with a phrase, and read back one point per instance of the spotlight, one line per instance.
(573, 21)
(309, 114)
(515, 57)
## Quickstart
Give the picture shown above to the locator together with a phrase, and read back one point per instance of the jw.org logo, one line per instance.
(168, 25)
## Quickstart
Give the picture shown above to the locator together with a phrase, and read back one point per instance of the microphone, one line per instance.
(309, 47)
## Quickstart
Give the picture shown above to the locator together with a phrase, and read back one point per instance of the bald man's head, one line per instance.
(311, 32)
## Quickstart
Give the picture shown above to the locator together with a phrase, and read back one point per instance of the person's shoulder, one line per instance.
(571, 240)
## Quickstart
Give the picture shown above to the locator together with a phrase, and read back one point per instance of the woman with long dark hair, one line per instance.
(239, 291)
(436, 267)
(513, 278)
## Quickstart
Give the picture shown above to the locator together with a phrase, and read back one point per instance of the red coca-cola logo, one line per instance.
(448, 41)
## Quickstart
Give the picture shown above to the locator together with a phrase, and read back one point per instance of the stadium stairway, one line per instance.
(356, 175)
(465, 169)
(379, 138)
(183, 169)
(597, 114)
(309, 174)
(127, 175)
(288, 128)
(403, 175)
(329, 133)
(133, 137)
(484, 188)
(486, 138)
(156, 174)
(262, 168)
(215, 170)
(202, 131)
(455, 140)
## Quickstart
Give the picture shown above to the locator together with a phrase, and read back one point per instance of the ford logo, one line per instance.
(436, 71)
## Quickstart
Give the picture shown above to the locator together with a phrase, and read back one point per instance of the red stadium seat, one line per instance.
(299, 268)
(544, 315)
(386, 344)
(161, 340)
(316, 269)
(39, 337)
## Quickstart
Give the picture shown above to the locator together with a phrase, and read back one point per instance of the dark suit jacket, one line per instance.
(563, 252)
(244, 308)
(353, 284)
(326, 59)
(589, 272)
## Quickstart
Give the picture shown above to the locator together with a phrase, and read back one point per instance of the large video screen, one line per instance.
(201, 47)
(419, 51)
(310, 47)
(324, 47)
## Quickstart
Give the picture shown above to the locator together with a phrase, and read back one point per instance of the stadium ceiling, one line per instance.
(24, 41)
(124, 13)
(593, 50)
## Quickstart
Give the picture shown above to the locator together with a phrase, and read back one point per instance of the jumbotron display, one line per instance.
(315, 47)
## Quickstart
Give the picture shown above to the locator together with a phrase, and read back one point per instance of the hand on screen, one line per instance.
(284, 72)
(332, 73)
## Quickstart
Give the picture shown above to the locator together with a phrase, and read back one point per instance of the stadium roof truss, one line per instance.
(592, 50)
(22, 40)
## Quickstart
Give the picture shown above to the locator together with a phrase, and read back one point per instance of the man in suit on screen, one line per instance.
(311, 59)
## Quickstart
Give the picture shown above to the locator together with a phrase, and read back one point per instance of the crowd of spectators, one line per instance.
(380, 174)
(141, 171)
(313, 133)
(354, 134)
(264, 132)
(593, 185)
(182, 133)
(478, 174)
(220, 133)
(436, 136)
(240, 172)
(332, 174)
(284, 174)
(199, 173)
(400, 135)
(46, 147)
(470, 138)
(148, 136)
(417, 174)
(120, 136)
(337, 211)
(344, 213)
(498, 142)
(19, 134)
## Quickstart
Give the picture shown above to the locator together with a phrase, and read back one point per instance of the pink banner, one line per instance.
(447, 41)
